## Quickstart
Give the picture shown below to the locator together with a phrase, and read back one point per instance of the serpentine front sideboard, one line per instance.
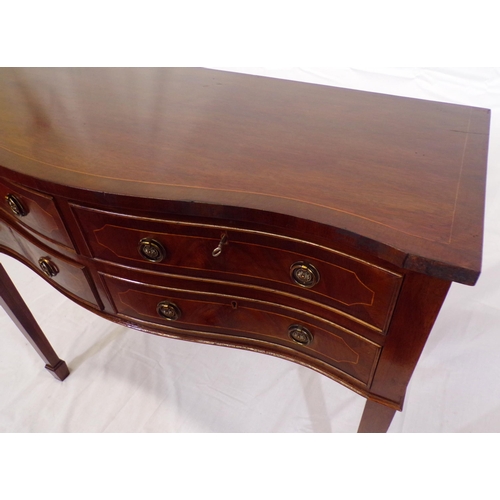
(318, 224)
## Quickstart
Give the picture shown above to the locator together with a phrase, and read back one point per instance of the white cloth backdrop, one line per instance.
(127, 381)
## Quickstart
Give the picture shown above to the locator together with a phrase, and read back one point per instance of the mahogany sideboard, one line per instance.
(318, 224)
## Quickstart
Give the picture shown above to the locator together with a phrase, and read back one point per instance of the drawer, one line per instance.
(349, 285)
(242, 317)
(8, 240)
(36, 211)
(66, 275)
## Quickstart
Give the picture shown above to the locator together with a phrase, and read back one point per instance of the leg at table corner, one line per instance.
(376, 417)
(18, 311)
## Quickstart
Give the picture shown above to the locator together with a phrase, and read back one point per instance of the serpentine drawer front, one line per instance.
(317, 224)
(224, 312)
(354, 287)
(35, 210)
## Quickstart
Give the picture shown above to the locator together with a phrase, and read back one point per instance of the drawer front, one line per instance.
(70, 276)
(8, 240)
(36, 211)
(355, 287)
(242, 317)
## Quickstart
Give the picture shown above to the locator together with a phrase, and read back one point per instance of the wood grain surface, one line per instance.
(406, 174)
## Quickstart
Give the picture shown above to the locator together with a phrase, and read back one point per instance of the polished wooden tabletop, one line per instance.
(406, 173)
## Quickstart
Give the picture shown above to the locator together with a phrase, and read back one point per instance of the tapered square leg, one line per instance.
(19, 312)
(376, 417)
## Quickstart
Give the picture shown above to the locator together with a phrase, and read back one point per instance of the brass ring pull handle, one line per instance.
(15, 205)
(168, 310)
(223, 241)
(300, 334)
(48, 267)
(151, 250)
(304, 274)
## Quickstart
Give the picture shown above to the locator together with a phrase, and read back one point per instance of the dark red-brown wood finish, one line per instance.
(317, 224)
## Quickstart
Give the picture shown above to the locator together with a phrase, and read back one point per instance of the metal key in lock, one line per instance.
(223, 241)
